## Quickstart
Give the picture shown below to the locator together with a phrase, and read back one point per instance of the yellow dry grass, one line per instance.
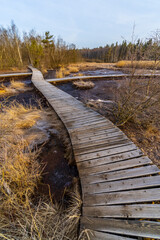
(78, 74)
(19, 170)
(13, 88)
(138, 64)
(83, 84)
(19, 116)
(62, 72)
(92, 65)
(73, 69)
(17, 84)
(65, 71)
(22, 217)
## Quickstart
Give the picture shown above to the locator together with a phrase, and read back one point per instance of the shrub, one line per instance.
(134, 97)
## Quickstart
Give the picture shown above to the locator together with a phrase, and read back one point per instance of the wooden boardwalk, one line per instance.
(119, 184)
(109, 76)
(8, 75)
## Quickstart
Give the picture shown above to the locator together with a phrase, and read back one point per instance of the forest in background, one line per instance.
(47, 52)
(134, 50)
(32, 48)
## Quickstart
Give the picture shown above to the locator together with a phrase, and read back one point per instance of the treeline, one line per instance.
(148, 50)
(47, 52)
(32, 48)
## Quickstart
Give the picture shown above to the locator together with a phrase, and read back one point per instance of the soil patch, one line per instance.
(58, 174)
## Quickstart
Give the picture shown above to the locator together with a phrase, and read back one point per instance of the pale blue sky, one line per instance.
(87, 23)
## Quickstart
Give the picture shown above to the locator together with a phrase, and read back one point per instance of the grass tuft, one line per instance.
(83, 84)
(14, 88)
(73, 69)
(62, 72)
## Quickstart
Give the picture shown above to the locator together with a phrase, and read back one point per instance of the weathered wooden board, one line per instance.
(132, 228)
(100, 139)
(110, 159)
(94, 235)
(106, 152)
(121, 174)
(151, 211)
(110, 167)
(128, 184)
(123, 197)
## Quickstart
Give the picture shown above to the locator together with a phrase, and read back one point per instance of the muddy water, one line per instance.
(100, 72)
(103, 89)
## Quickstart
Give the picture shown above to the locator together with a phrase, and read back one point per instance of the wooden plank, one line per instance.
(101, 136)
(94, 133)
(104, 148)
(94, 235)
(122, 174)
(101, 139)
(150, 211)
(93, 129)
(82, 121)
(87, 125)
(146, 229)
(129, 184)
(82, 113)
(110, 159)
(101, 145)
(98, 139)
(133, 196)
(110, 167)
(105, 152)
(84, 124)
(82, 116)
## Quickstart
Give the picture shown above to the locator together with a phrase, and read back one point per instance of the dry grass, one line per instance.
(14, 88)
(78, 74)
(17, 84)
(62, 72)
(19, 117)
(44, 220)
(138, 64)
(22, 216)
(13, 70)
(92, 65)
(83, 84)
(73, 69)
(19, 170)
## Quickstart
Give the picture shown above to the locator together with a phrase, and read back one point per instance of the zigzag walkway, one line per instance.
(118, 182)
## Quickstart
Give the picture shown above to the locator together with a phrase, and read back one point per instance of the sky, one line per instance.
(86, 23)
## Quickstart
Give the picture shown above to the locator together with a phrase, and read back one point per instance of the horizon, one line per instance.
(84, 24)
